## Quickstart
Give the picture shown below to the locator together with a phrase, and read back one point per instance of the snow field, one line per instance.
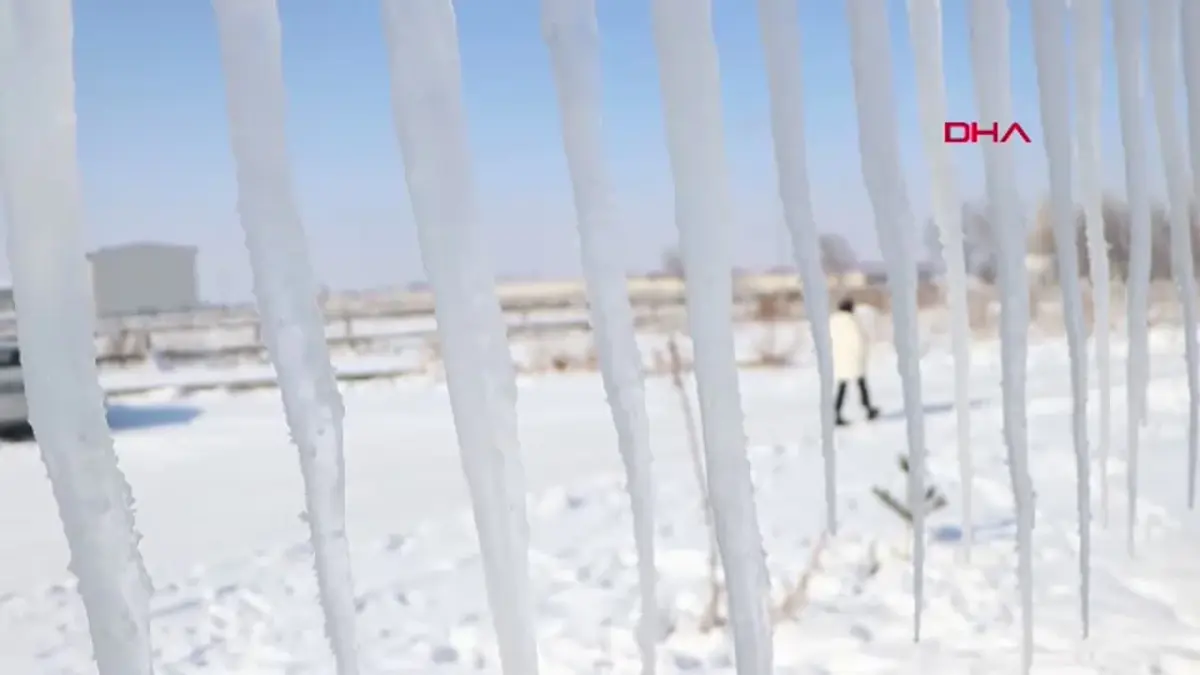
(221, 607)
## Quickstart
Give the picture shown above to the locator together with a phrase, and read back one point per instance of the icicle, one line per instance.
(573, 38)
(691, 99)
(1054, 87)
(1086, 30)
(1190, 23)
(422, 43)
(1127, 41)
(1164, 73)
(293, 326)
(780, 24)
(989, 20)
(55, 327)
(925, 29)
(879, 146)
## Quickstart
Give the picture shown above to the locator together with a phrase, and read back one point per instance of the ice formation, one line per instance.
(572, 35)
(293, 326)
(925, 29)
(1127, 42)
(51, 285)
(422, 42)
(1087, 27)
(779, 22)
(1190, 41)
(879, 148)
(1164, 74)
(691, 99)
(43, 211)
(989, 21)
(1054, 87)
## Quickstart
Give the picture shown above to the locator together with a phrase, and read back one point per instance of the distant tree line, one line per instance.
(979, 244)
(839, 257)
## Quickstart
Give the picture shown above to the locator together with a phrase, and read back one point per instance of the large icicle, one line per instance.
(293, 327)
(1054, 90)
(925, 29)
(422, 42)
(779, 21)
(55, 328)
(1190, 22)
(1127, 41)
(1164, 73)
(1086, 33)
(879, 148)
(989, 21)
(691, 99)
(573, 37)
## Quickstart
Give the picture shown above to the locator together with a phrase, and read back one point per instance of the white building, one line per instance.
(144, 278)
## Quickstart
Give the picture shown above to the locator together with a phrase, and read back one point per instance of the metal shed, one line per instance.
(144, 278)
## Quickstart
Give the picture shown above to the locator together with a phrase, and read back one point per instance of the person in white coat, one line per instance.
(851, 348)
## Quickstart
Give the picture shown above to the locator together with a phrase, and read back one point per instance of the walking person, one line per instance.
(851, 347)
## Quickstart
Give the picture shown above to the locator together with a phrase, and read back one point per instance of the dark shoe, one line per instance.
(841, 422)
(872, 413)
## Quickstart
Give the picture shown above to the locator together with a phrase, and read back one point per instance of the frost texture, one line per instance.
(422, 42)
(879, 147)
(1164, 74)
(1127, 43)
(780, 24)
(52, 288)
(293, 326)
(1190, 22)
(572, 35)
(1054, 87)
(925, 29)
(691, 98)
(990, 58)
(1086, 30)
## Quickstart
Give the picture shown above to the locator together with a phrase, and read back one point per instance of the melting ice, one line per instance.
(422, 42)
(571, 33)
(925, 28)
(691, 98)
(51, 286)
(990, 59)
(879, 146)
(293, 326)
(779, 22)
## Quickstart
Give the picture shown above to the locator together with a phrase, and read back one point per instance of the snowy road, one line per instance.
(219, 492)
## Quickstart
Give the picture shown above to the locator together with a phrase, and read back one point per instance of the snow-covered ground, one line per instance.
(219, 499)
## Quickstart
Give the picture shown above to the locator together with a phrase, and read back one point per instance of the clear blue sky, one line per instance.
(156, 162)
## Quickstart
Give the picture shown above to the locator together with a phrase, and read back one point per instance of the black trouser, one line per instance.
(864, 395)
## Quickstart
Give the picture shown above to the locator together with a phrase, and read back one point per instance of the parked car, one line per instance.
(14, 412)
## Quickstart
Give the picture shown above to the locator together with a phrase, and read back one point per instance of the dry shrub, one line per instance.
(559, 353)
(773, 311)
(776, 305)
(712, 615)
(979, 309)
(431, 359)
(875, 296)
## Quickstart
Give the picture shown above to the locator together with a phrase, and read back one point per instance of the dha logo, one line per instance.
(970, 132)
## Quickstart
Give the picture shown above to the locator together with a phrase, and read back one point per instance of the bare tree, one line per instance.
(672, 263)
(979, 243)
(1117, 224)
(980, 252)
(935, 250)
(837, 255)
